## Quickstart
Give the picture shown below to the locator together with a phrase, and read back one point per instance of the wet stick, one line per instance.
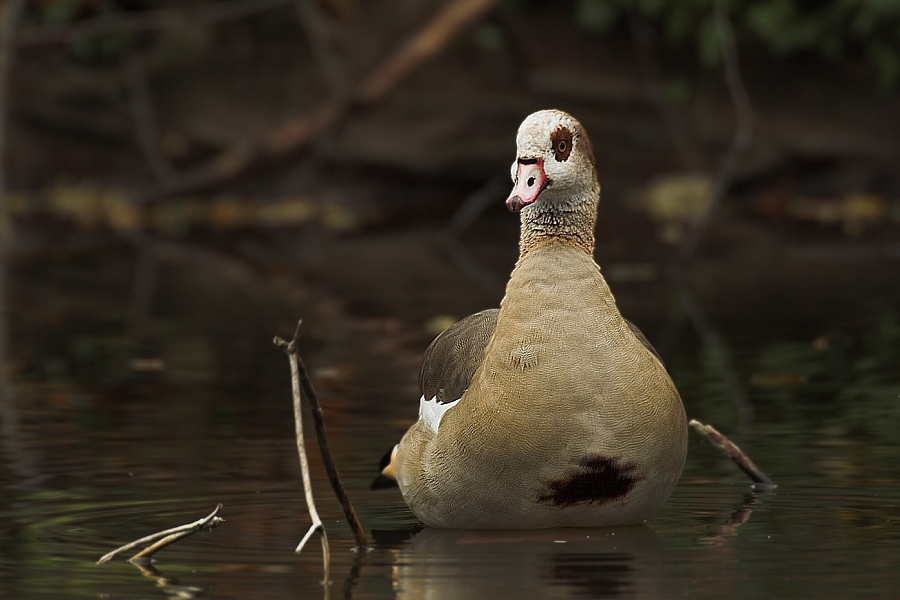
(733, 452)
(300, 380)
(162, 539)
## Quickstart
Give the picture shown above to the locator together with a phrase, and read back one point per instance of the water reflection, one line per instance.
(171, 586)
(561, 563)
(14, 445)
(718, 534)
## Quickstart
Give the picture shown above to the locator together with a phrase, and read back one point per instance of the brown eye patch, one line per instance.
(561, 141)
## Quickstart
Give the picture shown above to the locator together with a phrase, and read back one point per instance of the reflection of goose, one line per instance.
(626, 562)
(169, 585)
(554, 410)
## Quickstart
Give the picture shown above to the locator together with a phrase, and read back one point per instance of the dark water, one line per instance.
(98, 450)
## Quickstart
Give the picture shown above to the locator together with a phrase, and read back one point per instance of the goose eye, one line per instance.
(561, 143)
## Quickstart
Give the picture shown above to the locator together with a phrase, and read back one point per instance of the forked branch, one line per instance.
(300, 380)
(161, 539)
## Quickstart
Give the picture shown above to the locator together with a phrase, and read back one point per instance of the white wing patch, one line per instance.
(431, 411)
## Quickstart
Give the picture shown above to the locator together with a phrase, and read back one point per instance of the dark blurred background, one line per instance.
(279, 134)
(183, 180)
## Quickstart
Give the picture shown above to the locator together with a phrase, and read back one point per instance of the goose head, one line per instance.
(554, 161)
(555, 187)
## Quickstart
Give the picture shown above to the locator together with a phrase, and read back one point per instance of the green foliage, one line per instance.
(100, 48)
(828, 28)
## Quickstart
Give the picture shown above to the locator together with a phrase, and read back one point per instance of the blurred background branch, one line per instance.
(296, 133)
(18, 456)
(717, 350)
(146, 20)
(9, 18)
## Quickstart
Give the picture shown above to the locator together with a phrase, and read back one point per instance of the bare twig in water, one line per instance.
(760, 480)
(299, 132)
(167, 537)
(300, 380)
(170, 18)
(316, 524)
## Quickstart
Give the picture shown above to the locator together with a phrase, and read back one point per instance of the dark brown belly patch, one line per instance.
(594, 479)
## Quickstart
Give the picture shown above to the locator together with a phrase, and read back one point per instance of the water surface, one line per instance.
(101, 449)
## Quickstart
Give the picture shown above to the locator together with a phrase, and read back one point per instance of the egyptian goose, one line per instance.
(553, 410)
